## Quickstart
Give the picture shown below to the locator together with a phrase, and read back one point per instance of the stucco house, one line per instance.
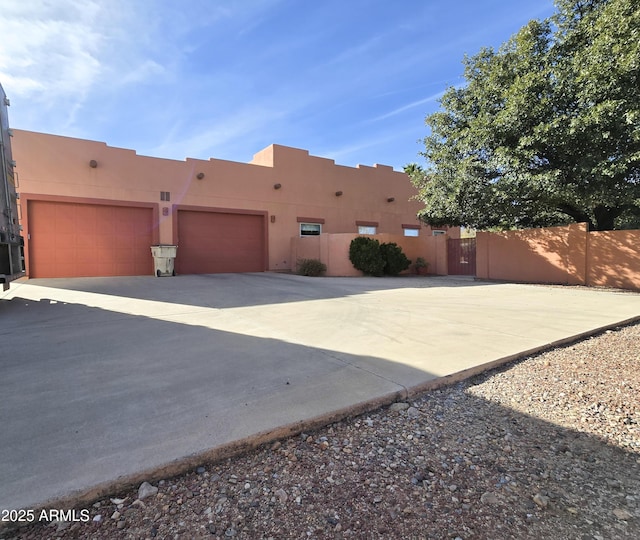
(89, 209)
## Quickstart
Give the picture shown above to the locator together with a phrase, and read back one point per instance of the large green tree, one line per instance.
(546, 129)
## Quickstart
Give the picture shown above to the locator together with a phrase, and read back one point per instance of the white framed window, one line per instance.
(411, 232)
(367, 229)
(437, 233)
(310, 229)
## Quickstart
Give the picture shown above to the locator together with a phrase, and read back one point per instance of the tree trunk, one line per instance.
(604, 219)
(578, 215)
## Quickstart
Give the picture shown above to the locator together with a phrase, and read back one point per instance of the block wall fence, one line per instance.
(569, 255)
(565, 255)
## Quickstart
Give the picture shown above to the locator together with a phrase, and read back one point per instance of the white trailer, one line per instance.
(11, 241)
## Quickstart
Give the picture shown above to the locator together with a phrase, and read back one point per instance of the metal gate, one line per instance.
(461, 256)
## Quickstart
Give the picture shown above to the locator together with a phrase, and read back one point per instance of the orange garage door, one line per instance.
(75, 240)
(216, 242)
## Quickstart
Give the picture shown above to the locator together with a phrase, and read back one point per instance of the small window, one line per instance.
(367, 229)
(411, 232)
(438, 233)
(310, 229)
(165, 196)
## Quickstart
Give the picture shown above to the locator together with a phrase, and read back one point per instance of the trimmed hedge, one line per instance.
(364, 254)
(375, 259)
(395, 261)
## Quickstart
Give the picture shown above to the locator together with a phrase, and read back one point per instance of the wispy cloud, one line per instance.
(212, 142)
(413, 104)
(380, 139)
(144, 71)
(357, 51)
(203, 78)
(49, 46)
(54, 54)
(408, 106)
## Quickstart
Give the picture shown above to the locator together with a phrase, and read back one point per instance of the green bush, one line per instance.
(364, 254)
(421, 266)
(311, 267)
(395, 261)
(421, 263)
(371, 257)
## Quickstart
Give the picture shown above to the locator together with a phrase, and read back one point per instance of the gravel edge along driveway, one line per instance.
(544, 447)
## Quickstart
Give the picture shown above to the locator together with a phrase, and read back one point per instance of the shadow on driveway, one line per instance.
(88, 395)
(94, 400)
(243, 290)
(98, 387)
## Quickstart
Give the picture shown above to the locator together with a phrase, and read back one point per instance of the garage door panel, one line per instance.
(122, 256)
(65, 253)
(84, 243)
(125, 229)
(141, 241)
(84, 260)
(64, 221)
(216, 242)
(77, 240)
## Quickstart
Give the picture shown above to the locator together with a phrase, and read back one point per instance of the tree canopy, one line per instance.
(546, 129)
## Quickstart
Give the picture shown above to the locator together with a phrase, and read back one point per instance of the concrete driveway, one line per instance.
(109, 381)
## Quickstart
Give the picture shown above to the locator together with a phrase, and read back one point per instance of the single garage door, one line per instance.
(77, 240)
(217, 242)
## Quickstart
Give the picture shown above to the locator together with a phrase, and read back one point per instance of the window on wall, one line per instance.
(411, 232)
(438, 233)
(310, 229)
(367, 227)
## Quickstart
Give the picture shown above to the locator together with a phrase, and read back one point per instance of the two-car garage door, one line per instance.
(68, 239)
(76, 240)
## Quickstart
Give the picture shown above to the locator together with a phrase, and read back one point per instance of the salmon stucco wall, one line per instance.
(551, 255)
(304, 248)
(568, 255)
(614, 259)
(333, 251)
(286, 183)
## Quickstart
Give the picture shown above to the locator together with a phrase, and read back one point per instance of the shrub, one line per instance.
(395, 261)
(364, 254)
(421, 263)
(371, 257)
(311, 267)
(422, 266)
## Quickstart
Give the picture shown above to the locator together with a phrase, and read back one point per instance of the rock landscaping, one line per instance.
(545, 447)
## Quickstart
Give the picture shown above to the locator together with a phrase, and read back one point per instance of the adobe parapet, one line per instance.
(276, 155)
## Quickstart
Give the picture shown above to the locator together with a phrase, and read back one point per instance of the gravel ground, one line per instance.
(547, 447)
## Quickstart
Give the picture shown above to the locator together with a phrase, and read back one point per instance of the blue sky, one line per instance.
(351, 80)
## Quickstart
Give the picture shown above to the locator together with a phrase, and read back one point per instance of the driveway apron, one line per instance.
(107, 381)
